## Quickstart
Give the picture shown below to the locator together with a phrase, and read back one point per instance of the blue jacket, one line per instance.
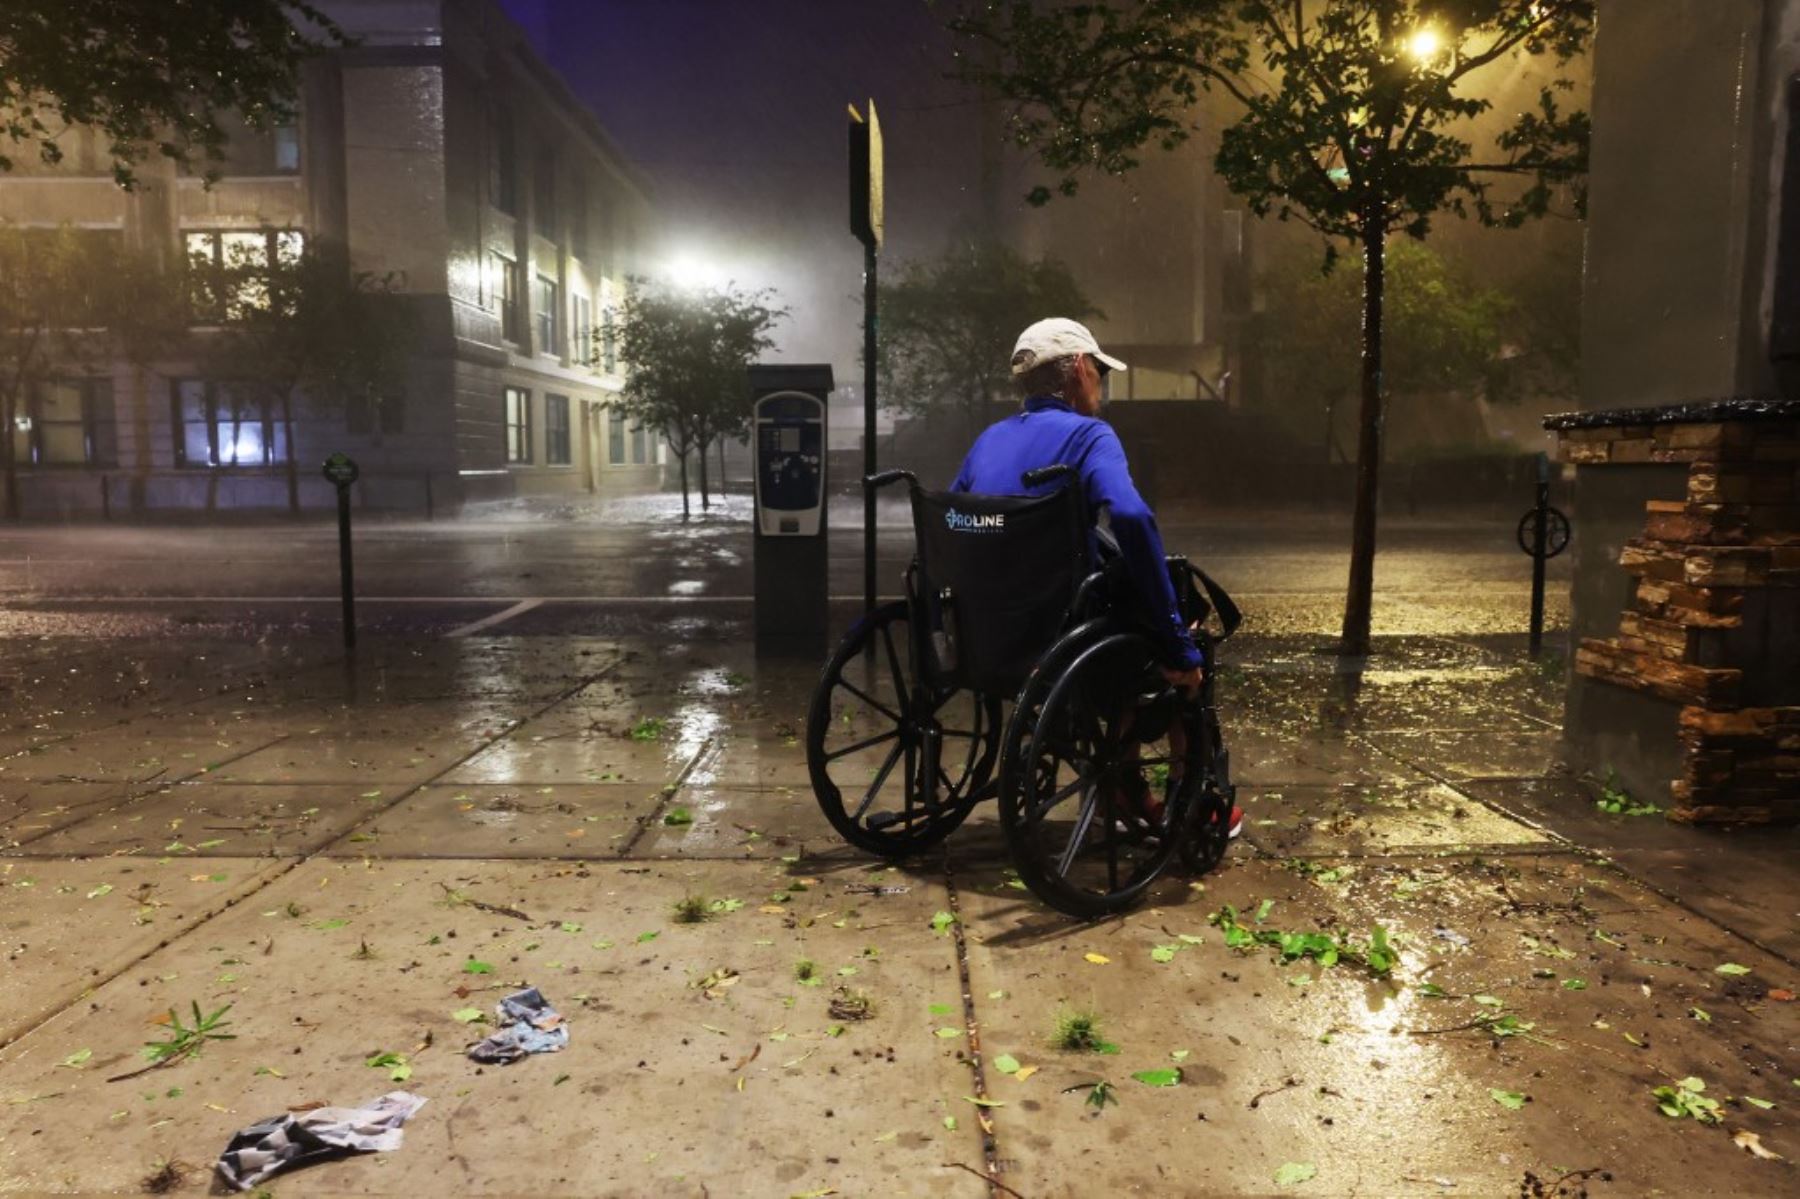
(1047, 431)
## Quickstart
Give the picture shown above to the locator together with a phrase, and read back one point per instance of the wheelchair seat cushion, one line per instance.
(1011, 566)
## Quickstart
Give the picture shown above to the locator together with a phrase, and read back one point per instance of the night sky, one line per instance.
(735, 109)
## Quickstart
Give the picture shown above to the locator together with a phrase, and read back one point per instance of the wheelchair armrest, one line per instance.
(1085, 593)
(1043, 474)
(883, 478)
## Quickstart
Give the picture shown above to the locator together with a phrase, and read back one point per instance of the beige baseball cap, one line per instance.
(1057, 337)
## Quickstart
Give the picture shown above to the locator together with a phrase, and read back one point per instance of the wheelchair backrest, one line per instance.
(997, 577)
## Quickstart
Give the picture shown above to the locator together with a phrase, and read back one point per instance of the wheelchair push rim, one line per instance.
(1079, 736)
(895, 764)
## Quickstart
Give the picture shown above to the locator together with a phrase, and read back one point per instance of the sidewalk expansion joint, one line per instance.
(669, 792)
(990, 1145)
(99, 979)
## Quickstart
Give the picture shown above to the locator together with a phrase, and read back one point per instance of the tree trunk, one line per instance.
(1368, 444)
(684, 486)
(9, 491)
(293, 465)
(705, 495)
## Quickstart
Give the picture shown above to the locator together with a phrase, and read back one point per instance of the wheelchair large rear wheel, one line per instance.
(896, 765)
(1088, 739)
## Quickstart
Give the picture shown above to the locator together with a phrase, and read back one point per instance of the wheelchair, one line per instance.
(1014, 671)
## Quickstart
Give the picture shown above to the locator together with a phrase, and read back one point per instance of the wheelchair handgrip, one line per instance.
(883, 478)
(1043, 474)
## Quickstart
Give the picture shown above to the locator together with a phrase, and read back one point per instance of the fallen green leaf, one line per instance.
(1731, 968)
(474, 967)
(1160, 1078)
(1511, 1100)
(1290, 1173)
(1006, 1063)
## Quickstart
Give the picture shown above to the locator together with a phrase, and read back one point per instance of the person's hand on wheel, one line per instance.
(1187, 680)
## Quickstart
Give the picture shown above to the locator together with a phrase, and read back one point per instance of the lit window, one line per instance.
(71, 424)
(518, 425)
(544, 305)
(581, 347)
(230, 271)
(219, 425)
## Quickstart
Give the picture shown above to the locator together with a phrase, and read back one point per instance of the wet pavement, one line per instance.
(213, 807)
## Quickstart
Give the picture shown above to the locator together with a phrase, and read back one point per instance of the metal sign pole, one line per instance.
(341, 472)
(869, 467)
(1539, 530)
(866, 220)
(1543, 533)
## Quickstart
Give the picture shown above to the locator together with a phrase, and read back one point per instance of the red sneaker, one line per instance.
(1237, 822)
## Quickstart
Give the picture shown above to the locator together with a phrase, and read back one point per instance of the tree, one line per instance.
(948, 326)
(293, 321)
(686, 351)
(1445, 333)
(150, 74)
(1352, 117)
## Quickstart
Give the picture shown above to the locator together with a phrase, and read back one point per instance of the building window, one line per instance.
(615, 437)
(581, 347)
(219, 425)
(544, 312)
(639, 444)
(68, 422)
(556, 430)
(506, 285)
(518, 426)
(609, 340)
(230, 270)
(543, 194)
(503, 161)
(287, 149)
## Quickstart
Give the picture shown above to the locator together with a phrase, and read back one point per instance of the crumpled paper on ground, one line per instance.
(301, 1138)
(536, 1028)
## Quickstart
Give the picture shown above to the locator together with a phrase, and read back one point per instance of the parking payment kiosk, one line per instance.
(789, 443)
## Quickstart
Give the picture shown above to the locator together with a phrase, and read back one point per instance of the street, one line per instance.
(570, 567)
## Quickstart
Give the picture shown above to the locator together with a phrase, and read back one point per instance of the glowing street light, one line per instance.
(690, 269)
(1425, 44)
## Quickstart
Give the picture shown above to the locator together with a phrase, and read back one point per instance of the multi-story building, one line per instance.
(441, 153)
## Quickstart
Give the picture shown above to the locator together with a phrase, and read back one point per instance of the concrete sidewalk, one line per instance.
(358, 860)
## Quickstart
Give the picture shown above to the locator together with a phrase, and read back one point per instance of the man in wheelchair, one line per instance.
(1058, 368)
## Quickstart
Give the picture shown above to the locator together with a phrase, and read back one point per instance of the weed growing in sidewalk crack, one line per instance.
(692, 909)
